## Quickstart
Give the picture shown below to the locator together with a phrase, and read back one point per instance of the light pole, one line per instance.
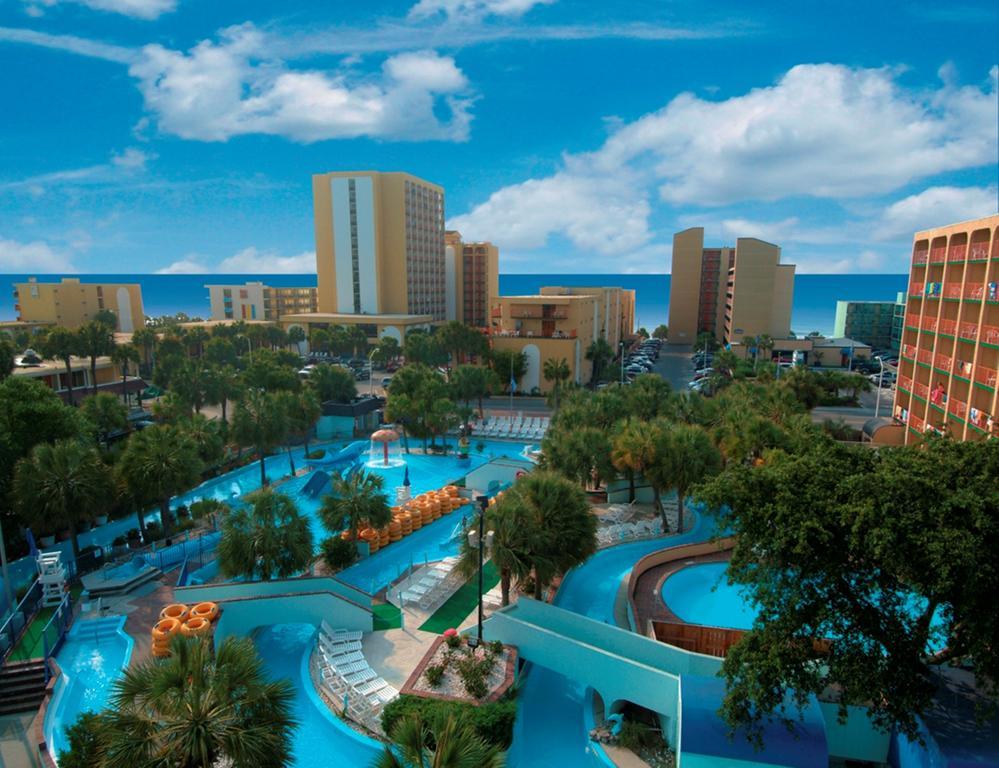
(480, 539)
(620, 349)
(371, 373)
(881, 378)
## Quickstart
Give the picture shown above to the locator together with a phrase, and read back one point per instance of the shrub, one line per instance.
(338, 553)
(492, 721)
(132, 534)
(316, 454)
(119, 541)
(183, 512)
(84, 739)
(473, 675)
(434, 674)
(154, 531)
(496, 647)
(453, 641)
(635, 736)
(186, 524)
(207, 508)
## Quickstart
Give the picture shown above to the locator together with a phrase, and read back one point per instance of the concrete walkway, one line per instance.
(395, 653)
(16, 750)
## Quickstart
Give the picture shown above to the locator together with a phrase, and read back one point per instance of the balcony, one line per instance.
(943, 362)
(496, 312)
(924, 356)
(990, 335)
(952, 291)
(957, 252)
(938, 255)
(904, 382)
(974, 291)
(525, 313)
(958, 408)
(916, 290)
(499, 333)
(917, 423)
(929, 324)
(909, 351)
(920, 257)
(921, 391)
(979, 252)
(947, 327)
(968, 331)
(986, 376)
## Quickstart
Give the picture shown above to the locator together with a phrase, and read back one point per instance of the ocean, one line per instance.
(814, 307)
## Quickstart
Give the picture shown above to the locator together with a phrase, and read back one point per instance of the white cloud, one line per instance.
(247, 261)
(137, 9)
(131, 159)
(123, 166)
(36, 256)
(224, 89)
(473, 9)
(80, 46)
(934, 207)
(824, 130)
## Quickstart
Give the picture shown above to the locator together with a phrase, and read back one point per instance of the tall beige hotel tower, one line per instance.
(731, 293)
(379, 244)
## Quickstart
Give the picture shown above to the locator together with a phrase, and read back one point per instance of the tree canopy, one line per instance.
(869, 569)
(269, 539)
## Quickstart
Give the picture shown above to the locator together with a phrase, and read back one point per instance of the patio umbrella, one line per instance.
(405, 480)
(385, 436)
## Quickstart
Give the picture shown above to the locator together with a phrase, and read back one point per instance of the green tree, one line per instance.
(648, 397)
(259, 421)
(445, 743)
(158, 463)
(220, 351)
(85, 742)
(270, 539)
(125, 356)
(418, 401)
(199, 709)
(223, 385)
(333, 383)
(304, 415)
(471, 382)
(319, 340)
(63, 484)
(423, 348)
(460, 341)
(106, 413)
(207, 436)
(190, 384)
(354, 500)
(683, 456)
(580, 453)
(62, 344)
(387, 349)
(196, 338)
(514, 542)
(7, 352)
(270, 371)
(295, 337)
(508, 364)
(660, 332)
(146, 340)
(96, 340)
(599, 352)
(870, 570)
(632, 451)
(556, 371)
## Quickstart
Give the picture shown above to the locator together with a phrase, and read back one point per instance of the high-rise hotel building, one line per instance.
(472, 281)
(947, 373)
(731, 293)
(379, 244)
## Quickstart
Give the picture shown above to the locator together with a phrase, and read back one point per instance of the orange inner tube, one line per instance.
(208, 611)
(195, 626)
(165, 629)
(176, 611)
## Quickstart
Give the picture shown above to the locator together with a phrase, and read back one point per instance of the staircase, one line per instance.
(22, 686)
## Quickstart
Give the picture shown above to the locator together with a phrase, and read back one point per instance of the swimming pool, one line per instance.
(95, 654)
(701, 594)
(321, 738)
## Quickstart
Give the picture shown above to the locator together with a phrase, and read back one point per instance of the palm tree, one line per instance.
(353, 500)
(199, 709)
(303, 414)
(471, 382)
(271, 538)
(190, 384)
(512, 547)
(62, 484)
(332, 382)
(684, 456)
(96, 339)
(207, 436)
(599, 352)
(295, 337)
(259, 421)
(106, 413)
(123, 355)
(222, 385)
(632, 451)
(556, 371)
(7, 352)
(579, 453)
(62, 344)
(449, 743)
(146, 340)
(158, 463)
(196, 337)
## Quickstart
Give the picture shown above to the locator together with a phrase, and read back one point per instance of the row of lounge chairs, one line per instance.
(430, 584)
(518, 427)
(618, 532)
(344, 672)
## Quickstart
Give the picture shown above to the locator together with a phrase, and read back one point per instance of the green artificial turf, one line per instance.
(387, 616)
(462, 602)
(30, 645)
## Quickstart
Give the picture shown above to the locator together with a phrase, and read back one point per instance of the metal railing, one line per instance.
(55, 631)
(15, 625)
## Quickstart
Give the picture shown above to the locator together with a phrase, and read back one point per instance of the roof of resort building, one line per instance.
(347, 317)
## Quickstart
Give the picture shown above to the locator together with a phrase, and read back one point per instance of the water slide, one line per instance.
(345, 458)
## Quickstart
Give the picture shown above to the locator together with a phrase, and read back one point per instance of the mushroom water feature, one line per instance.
(379, 453)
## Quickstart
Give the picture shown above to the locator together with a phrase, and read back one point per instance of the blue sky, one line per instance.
(180, 135)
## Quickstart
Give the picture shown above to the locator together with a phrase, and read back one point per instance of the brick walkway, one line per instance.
(144, 613)
(649, 605)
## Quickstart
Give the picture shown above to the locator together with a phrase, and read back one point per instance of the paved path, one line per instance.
(675, 366)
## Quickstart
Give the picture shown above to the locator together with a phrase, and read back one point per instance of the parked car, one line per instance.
(362, 375)
(386, 382)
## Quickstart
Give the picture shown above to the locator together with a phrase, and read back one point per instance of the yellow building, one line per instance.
(256, 301)
(379, 244)
(71, 303)
(472, 279)
(949, 358)
(615, 309)
(374, 326)
(728, 292)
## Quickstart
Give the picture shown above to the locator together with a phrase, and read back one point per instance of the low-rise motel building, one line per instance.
(560, 323)
(53, 374)
(257, 301)
(72, 303)
(949, 358)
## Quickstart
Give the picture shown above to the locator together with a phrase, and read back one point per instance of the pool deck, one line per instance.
(394, 653)
(649, 605)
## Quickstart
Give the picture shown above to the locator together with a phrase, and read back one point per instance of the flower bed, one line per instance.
(454, 671)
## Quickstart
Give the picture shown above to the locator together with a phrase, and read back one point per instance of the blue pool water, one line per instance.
(701, 594)
(321, 738)
(127, 570)
(94, 655)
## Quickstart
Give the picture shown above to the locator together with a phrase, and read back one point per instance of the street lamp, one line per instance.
(881, 377)
(480, 539)
(620, 349)
(371, 373)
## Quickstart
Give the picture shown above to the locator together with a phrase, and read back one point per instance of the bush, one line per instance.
(84, 743)
(496, 647)
(434, 674)
(635, 736)
(492, 721)
(453, 641)
(182, 512)
(132, 534)
(473, 673)
(207, 508)
(338, 553)
(316, 454)
(154, 531)
(119, 541)
(186, 524)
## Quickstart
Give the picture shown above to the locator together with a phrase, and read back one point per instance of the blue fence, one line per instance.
(12, 629)
(55, 631)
